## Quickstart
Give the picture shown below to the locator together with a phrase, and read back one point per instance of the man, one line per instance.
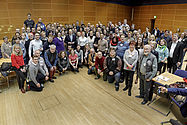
(42, 25)
(99, 68)
(178, 91)
(167, 37)
(147, 70)
(35, 44)
(156, 32)
(48, 43)
(112, 66)
(6, 48)
(27, 44)
(103, 45)
(36, 80)
(29, 22)
(51, 58)
(41, 62)
(91, 61)
(70, 39)
(175, 54)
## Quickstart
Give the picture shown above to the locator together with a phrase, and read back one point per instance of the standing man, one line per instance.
(148, 70)
(70, 40)
(175, 54)
(29, 22)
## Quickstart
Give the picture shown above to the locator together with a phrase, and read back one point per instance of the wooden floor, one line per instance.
(76, 99)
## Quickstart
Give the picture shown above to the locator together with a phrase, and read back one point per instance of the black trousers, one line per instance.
(171, 65)
(74, 70)
(20, 78)
(128, 78)
(40, 79)
(160, 65)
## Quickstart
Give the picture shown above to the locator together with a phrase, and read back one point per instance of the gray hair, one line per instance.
(148, 46)
(53, 46)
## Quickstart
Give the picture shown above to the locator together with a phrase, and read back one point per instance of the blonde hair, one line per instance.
(14, 50)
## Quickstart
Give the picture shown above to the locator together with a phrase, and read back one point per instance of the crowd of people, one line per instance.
(114, 51)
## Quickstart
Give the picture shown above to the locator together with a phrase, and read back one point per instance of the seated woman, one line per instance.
(18, 66)
(58, 41)
(73, 61)
(91, 61)
(36, 80)
(63, 62)
(79, 53)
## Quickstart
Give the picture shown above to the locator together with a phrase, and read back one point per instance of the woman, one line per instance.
(73, 61)
(91, 39)
(79, 53)
(162, 55)
(86, 53)
(145, 39)
(114, 42)
(18, 66)
(63, 62)
(58, 41)
(82, 41)
(130, 59)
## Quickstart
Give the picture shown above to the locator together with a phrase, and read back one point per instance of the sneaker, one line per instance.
(51, 80)
(117, 88)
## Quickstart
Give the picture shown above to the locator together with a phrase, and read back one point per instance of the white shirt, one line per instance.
(173, 45)
(82, 41)
(91, 41)
(35, 45)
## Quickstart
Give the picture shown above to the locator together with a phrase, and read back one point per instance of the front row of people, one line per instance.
(41, 69)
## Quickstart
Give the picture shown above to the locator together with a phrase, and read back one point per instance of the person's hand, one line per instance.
(51, 69)
(178, 63)
(38, 85)
(69, 42)
(74, 67)
(130, 66)
(54, 67)
(46, 78)
(47, 74)
(148, 80)
(41, 49)
(90, 67)
(111, 73)
(163, 89)
(162, 60)
(98, 71)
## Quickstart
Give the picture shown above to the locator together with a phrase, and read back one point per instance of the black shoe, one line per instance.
(125, 88)
(144, 102)
(51, 80)
(121, 81)
(117, 88)
(129, 93)
(139, 96)
(53, 77)
(60, 73)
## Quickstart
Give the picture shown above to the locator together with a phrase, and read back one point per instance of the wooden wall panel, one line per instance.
(14, 12)
(171, 16)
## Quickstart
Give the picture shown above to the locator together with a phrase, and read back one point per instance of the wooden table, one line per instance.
(172, 79)
(4, 60)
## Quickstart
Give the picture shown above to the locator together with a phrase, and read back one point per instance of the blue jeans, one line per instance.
(91, 70)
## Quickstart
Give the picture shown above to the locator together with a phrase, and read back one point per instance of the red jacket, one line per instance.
(17, 61)
(99, 63)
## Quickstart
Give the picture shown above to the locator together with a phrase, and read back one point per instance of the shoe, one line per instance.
(60, 73)
(96, 77)
(53, 77)
(125, 88)
(51, 80)
(28, 88)
(121, 81)
(42, 85)
(129, 93)
(139, 96)
(22, 90)
(117, 88)
(144, 102)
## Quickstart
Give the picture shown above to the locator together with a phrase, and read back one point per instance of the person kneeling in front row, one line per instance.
(112, 66)
(36, 79)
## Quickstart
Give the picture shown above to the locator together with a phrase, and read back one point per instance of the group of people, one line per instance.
(114, 51)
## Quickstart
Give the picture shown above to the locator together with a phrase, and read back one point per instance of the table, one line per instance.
(172, 79)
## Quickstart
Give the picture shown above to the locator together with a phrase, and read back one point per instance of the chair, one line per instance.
(181, 73)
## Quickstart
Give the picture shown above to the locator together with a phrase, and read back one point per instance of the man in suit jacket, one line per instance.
(156, 32)
(175, 54)
(70, 40)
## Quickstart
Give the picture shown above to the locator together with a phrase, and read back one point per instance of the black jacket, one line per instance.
(67, 39)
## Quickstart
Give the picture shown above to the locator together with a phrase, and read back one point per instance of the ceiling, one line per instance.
(143, 2)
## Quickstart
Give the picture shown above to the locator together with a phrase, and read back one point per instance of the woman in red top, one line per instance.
(73, 61)
(18, 66)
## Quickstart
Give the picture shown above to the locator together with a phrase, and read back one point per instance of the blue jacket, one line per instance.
(183, 92)
(121, 48)
(43, 28)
